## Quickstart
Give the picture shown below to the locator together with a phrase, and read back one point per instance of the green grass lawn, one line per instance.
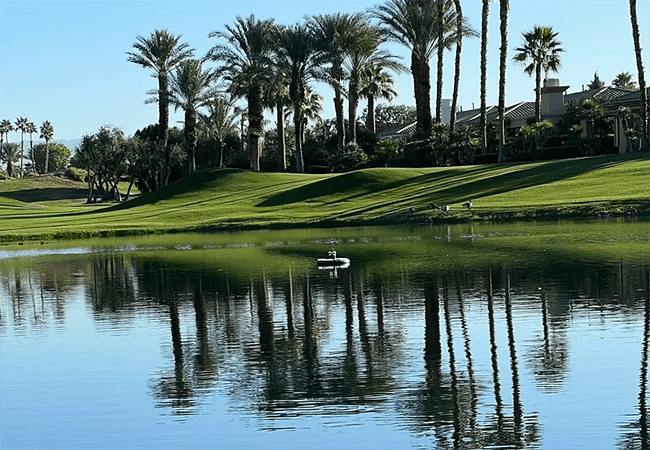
(231, 198)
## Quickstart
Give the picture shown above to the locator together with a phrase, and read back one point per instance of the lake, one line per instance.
(524, 335)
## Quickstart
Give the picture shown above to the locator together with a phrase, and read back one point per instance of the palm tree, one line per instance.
(364, 55)
(335, 35)
(485, 12)
(220, 122)
(5, 128)
(377, 84)
(31, 129)
(21, 125)
(624, 81)
(541, 51)
(413, 24)
(161, 52)
(245, 61)
(596, 83)
(10, 154)
(190, 89)
(452, 28)
(297, 57)
(645, 138)
(278, 98)
(444, 26)
(312, 109)
(47, 133)
(503, 56)
(457, 60)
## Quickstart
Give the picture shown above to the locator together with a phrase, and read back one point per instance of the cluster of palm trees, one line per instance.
(11, 153)
(274, 66)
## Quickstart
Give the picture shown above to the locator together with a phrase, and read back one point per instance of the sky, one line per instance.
(66, 62)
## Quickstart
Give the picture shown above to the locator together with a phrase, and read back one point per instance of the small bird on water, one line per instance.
(467, 204)
(444, 208)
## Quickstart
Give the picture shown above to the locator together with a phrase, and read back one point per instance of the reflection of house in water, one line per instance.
(554, 104)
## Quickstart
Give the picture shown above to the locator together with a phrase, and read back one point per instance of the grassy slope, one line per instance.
(235, 198)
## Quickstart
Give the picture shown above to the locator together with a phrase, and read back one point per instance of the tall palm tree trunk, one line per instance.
(440, 62)
(163, 119)
(255, 125)
(191, 138)
(422, 90)
(22, 153)
(353, 104)
(645, 138)
(370, 117)
(298, 96)
(340, 122)
(457, 61)
(282, 146)
(484, 39)
(47, 155)
(503, 54)
(538, 92)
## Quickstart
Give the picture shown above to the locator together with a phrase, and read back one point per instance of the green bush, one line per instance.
(75, 174)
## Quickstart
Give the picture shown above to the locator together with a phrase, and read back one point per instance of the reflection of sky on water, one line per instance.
(133, 349)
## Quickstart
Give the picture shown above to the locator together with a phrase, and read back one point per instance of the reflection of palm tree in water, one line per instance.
(635, 434)
(468, 354)
(516, 397)
(457, 435)
(549, 361)
(506, 430)
(180, 389)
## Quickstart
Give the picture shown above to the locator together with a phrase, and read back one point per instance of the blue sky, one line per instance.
(65, 61)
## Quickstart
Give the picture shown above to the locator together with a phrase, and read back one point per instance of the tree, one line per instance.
(219, 123)
(645, 138)
(312, 109)
(278, 98)
(413, 24)
(161, 52)
(541, 51)
(596, 83)
(245, 61)
(58, 155)
(590, 110)
(390, 116)
(364, 55)
(104, 156)
(47, 133)
(5, 128)
(10, 154)
(21, 125)
(624, 81)
(503, 56)
(485, 13)
(297, 59)
(377, 84)
(452, 27)
(31, 129)
(335, 35)
(190, 89)
(457, 61)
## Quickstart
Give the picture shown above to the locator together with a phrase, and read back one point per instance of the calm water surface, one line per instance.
(470, 336)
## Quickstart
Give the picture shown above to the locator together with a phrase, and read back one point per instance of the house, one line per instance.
(631, 101)
(554, 103)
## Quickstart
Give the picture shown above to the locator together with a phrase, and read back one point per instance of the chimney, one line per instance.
(552, 96)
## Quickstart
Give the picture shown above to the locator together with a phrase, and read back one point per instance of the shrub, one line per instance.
(75, 174)
(352, 158)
